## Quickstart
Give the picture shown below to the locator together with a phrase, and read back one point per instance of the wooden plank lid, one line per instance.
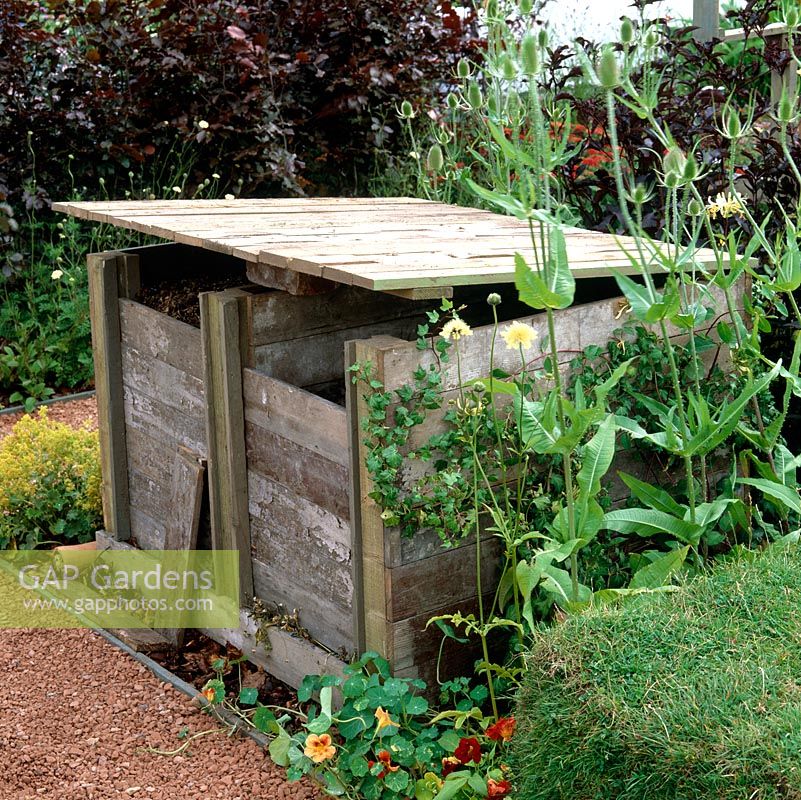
(400, 245)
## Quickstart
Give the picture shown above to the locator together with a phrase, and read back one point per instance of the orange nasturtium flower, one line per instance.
(210, 694)
(384, 719)
(319, 748)
(503, 729)
(498, 788)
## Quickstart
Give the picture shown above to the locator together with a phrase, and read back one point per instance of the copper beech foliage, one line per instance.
(297, 94)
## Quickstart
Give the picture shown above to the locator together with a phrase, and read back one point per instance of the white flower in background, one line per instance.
(229, 197)
(203, 125)
(177, 189)
(56, 274)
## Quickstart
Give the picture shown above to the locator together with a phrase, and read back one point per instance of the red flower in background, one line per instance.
(503, 729)
(468, 750)
(498, 788)
(449, 764)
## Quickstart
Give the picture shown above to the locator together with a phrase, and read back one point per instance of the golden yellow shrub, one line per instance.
(49, 483)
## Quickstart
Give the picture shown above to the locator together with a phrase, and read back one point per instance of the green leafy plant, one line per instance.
(49, 484)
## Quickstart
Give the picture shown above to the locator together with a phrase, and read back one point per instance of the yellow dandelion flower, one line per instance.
(456, 329)
(319, 748)
(519, 335)
(384, 719)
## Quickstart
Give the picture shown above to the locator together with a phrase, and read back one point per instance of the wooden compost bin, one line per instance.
(221, 435)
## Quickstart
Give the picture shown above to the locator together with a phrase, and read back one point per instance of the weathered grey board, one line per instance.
(159, 420)
(104, 290)
(161, 381)
(149, 533)
(220, 325)
(319, 359)
(308, 421)
(186, 497)
(156, 335)
(321, 481)
(288, 657)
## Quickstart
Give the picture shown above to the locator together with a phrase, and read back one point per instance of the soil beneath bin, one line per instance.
(178, 298)
(194, 663)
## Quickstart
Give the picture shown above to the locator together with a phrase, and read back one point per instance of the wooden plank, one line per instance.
(374, 628)
(161, 381)
(186, 496)
(167, 424)
(319, 359)
(225, 427)
(286, 280)
(289, 658)
(302, 559)
(280, 317)
(706, 20)
(431, 293)
(307, 421)
(103, 270)
(418, 587)
(354, 450)
(156, 335)
(769, 31)
(308, 474)
(148, 533)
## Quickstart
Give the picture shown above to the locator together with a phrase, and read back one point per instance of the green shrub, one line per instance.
(49, 484)
(690, 695)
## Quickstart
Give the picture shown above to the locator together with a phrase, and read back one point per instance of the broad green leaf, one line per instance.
(597, 459)
(652, 496)
(264, 720)
(452, 786)
(658, 573)
(603, 389)
(648, 522)
(505, 202)
(708, 513)
(279, 749)
(248, 695)
(637, 295)
(532, 288)
(776, 491)
(728, 417)
(559, 277)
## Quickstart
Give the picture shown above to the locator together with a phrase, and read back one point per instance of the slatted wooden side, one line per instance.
(164, 402)
(298, 482)
(301, 340)
(405, 582)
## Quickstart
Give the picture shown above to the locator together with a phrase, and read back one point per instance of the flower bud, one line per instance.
(640, 195)
(626, 31)
(452, 100)
(608, 69)
(494, 299)
(651, 38)
(674, 162)
(435, 159)
(695, 207)
(732, 127)
(474, 99)
(690, 171)
(542, 38)
(509, 68)
(530, 55)
(492, 105)
(406, 110)
(785, 112)
(463, 68)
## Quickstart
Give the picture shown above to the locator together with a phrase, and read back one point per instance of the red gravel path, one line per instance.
(76, 713)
